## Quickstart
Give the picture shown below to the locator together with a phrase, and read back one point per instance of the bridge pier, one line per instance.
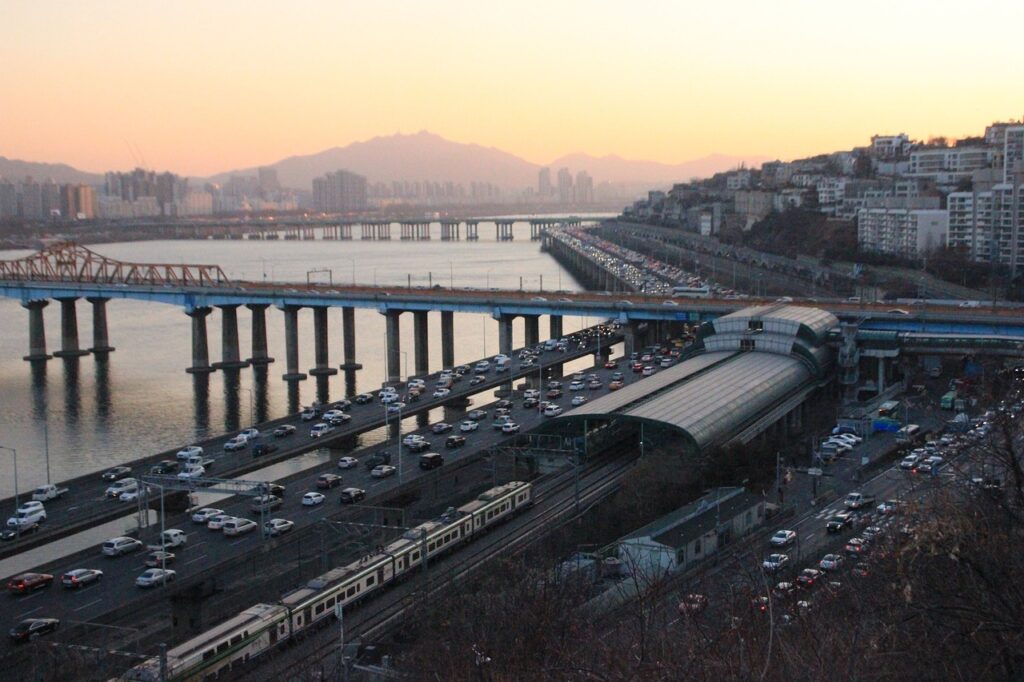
(393, 344)
(555, 332)
(36, 331)
(447, 339)
(291, 343)
(532, 324)
(503, 230)
(471, 231)
(69, 330)
(320, 345)
(230, 358)
(259, 334)
(348, 334)
(200, 348)
(421, 339)
(100, 340)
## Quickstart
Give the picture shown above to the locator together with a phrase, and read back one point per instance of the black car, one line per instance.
(376, 460)
(531, 403)
(418, 446)
(261, 449)
(30, 628)
(341, 405)
(431, 460)
(116, 474)
(284, 430)
(455, 441)
(9, 534)
(327, 481)
(167, 466)
(352, 495)
(504, 404)
(441, 427)
(838, 522)
(363, 399)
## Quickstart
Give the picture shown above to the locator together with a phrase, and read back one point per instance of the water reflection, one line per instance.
(232, 400)
(350, 382)
(39, 393)
(104, 398)
(323, 393)
(293, 396)
(259, 384)
(201, 401)
(72, 390)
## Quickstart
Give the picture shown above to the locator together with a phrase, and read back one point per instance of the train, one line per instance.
(264, 626)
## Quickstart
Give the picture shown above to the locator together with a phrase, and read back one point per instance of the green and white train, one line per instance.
(262, 627)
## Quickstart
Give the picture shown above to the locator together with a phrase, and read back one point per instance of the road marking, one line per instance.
(191, 561)
(28, 612)
(85, 606)
(237, 541)
(34, 594)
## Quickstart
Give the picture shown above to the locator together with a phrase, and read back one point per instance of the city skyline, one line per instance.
(203, 89)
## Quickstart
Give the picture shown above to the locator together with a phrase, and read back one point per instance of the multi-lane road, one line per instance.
(85, 505)
(206, 550)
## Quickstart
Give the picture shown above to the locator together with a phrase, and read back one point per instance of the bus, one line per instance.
(692, 292)
(948, 400)
(888, 408)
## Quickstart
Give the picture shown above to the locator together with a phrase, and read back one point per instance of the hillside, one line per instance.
(15, 170)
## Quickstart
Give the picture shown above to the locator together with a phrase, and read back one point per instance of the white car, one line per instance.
(469, 425)
(131, 495)
(417, 383)
(190, 451)
(383, 471)
(783, 538)
(395, 408)
(578, 400)
(312, 499)
(152, 577)
(388, 398)
(192, 472)
(510, 427)
(412, 438)
(847, 438)
(236, 443)
(239, 526)
(442, 393)
(121, 487)
(531, 393)
(121, 545)
(217, 522)
(205, 514)
(278, 526)
(347, 462)
(320, 429)
(335, 414)
(250, 433)
(831, 562)
(552, 410)
(577, 386)
(482, 367)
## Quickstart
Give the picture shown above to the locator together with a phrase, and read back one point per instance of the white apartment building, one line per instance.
(950, 164)
(1013, 152)
(989, 224)
(830, 193)
(890, 146)
(738, 180)
(902, 231)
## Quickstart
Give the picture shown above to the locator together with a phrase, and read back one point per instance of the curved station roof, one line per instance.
(748, 364)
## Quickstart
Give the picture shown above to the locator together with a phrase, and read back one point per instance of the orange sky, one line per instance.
(203, 87)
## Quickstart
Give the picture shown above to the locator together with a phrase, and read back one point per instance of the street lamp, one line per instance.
(405, 364)
(163, 551)
(14, 452)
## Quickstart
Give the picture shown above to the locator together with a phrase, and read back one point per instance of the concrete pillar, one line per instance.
(393, 344)
(36, 331)
(629, 338)
(320, 345)
(69, 330)
(100, 340)
(200, 348)
(291, 343)
(881, 374)
(259, 334)
(348, 333)
(447, 339)
(532, 323)
(555, 326)
(421, 341)
(505, 334)
(229, 355)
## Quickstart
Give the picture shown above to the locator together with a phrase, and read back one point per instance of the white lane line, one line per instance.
(28, 612)
(192, 561)
(239, 540)
(34, 594)
(85, 606)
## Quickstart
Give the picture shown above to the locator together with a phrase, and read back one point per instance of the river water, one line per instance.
(90, 414)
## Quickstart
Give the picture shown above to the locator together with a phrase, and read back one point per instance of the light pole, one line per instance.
(163, 550)
(14, 452)
(405, 364)
(252, 411)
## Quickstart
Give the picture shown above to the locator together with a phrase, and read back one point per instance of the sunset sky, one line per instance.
(202, 87)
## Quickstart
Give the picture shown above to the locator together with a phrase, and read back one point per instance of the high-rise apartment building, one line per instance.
(8, 199)
(544, 183)
(989, 222)
(340, 191)
(30, 203)
(898, 229)
(1013, 152)
(78, 202)
(565, 193)
(268, 180)
(584, 188)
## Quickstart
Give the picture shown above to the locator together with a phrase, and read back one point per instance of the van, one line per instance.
(431, 460)
(550, 344)
(502, 365)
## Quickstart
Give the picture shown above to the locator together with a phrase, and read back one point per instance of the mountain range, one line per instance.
(426, 156)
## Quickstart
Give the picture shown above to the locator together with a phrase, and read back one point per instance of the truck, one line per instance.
(858, 500)
(172, 537)
(48, 492)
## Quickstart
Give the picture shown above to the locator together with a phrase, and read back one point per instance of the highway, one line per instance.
(85, 505)
(207, 550)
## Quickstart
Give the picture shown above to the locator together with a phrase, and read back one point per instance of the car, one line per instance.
(855, 547)
(395, 408)
(386, 398)
(783, 538)
(441, 427)
(871, 532)
(411, 438)
(552, 410)
(442, 392)
(504, 404)
(531, 393)
(310, 413)
(760, 604)
(352, 495)
(121, 545)
(611, 364)
(831, 562)
(553, 394)
(159, 558)
(909, 461)
(116, 473)
(594, 384)
(337, 418)
(347, 462)
(774, 562)
(784, 589)
(478, 379)
(617, 376)
(692, 604)
(275, 527)
(264, 503)
(477, 415)
(312, 499)
(189, 472)
(383, 471)
(9, 534)
(166, 466)
(342, 404)
(239, 526)
(615, 385)
(419, 446)
(190, 451)
(363, 399)
(578, 400)
(510, 427)
(860, 569)
(839, 521)
(327, 481)
(808, 577)
(30, 628)
(29, 582)
(889, 507)
(117, 489)
(554, 383)
(133, 495)
(205, 514)
(217, 522)
(577, 386)
(455, 441)
(531, 403)
(78, 578)
(250, 433)
(236, 443)
(469, 425)
(319, 430)
(482, 367)
(152, 577)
